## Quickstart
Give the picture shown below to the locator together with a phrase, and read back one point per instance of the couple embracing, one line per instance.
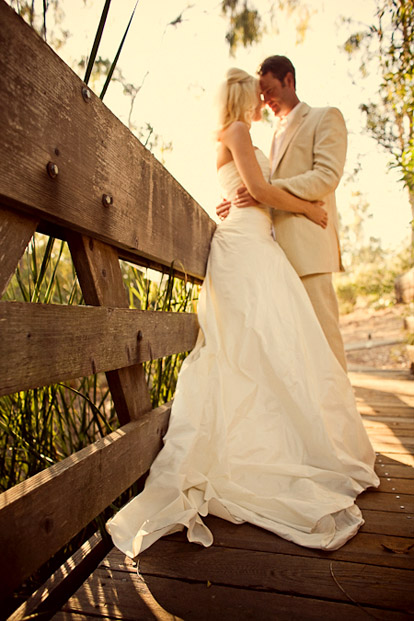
(264, 426)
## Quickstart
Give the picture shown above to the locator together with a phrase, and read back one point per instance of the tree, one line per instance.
(246, 24)
(389, 118)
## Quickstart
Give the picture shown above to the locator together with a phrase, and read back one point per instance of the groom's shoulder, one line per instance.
(323, 111)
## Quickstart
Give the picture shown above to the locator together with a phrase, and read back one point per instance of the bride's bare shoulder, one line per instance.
(236, 128)
(235, 133)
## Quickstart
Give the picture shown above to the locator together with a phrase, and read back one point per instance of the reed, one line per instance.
(42, 426)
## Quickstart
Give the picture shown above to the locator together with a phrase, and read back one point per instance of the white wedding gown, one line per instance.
(264, 427)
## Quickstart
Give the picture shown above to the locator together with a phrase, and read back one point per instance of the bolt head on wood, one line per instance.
(107, 200)
(52, 170)
(86, 94)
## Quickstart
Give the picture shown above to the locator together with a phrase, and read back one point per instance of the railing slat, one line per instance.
(42, 344)
(16, 230)
(40, 515)
(100, 278)
(44, 118)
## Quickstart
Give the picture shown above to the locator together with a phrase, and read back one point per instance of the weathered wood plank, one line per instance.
(16, 230)
(117, 595)
(40, 515)
(67, 579)
(391, 485)
(399, 451)
(396, 410)
(291, 575)
(380, 501)
(44, 343)
(95, 154)
(128, 596)
(100, 277)
(392, 439)
(402, 429)
(387, 523)
(397, 458)
(365, 547)
(388, 469)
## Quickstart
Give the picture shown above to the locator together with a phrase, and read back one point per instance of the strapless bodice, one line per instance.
(246, 219)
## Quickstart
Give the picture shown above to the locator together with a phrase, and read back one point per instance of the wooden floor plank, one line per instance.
(388, 523)
(387, 469)
(371, 548)
(193, 601)
(380, 501)
(389, 457)
(291, 575)
(392, 484)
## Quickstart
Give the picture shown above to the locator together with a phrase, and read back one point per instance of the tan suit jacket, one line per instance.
(310, 164)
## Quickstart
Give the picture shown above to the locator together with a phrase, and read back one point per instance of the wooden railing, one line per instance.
(69, 168)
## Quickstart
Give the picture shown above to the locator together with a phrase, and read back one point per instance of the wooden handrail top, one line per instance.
(68, 160)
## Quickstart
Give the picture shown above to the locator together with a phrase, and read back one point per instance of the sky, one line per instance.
(180, 68)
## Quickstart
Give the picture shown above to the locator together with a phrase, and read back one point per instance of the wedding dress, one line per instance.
(264, 427)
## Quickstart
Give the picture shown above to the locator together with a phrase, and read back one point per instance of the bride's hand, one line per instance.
(318, 214)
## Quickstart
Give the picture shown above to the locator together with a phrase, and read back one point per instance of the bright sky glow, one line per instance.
(185, 64)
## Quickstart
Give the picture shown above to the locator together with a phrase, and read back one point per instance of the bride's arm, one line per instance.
(237, 139)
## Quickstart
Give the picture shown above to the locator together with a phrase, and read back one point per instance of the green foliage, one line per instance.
(165, 294)
(42, 426)
(244, 24)
(370, 278)
(38, 14)
(390, 42)
(247, 25)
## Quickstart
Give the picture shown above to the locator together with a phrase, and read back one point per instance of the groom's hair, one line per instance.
(279, 66)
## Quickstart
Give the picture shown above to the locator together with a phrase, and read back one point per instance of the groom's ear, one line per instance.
(289, 80)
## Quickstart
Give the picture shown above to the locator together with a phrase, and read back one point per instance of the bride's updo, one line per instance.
(237, 97)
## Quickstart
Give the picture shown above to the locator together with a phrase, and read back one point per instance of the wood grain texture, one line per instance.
(43, 343)
(368, 548)
(44, 118)
(16, 230)
(68, 578)
(100, 278)
(281, 573)
(40, 515)
(123, 594)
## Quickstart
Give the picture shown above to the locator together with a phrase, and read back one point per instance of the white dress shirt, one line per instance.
(282, 123)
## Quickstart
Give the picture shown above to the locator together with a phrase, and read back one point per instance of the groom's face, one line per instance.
(275, 94)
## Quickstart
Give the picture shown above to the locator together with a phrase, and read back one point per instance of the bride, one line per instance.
(264, 427)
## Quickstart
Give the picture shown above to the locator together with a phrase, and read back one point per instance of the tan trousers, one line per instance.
(322, 295)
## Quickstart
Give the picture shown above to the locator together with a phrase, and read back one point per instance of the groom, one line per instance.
(307, 159)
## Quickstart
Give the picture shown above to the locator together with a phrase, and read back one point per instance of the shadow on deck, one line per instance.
(251, 574)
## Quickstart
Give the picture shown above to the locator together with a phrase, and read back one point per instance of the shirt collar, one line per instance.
(285, 121)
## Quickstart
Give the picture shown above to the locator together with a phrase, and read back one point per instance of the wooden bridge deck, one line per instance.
(251, 574)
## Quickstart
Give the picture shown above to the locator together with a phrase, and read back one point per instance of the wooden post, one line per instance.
(16, 230)
(100, 277)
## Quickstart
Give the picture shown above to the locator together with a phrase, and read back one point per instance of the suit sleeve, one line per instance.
(329, 153)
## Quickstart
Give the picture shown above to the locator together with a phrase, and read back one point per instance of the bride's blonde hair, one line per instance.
(237, 97)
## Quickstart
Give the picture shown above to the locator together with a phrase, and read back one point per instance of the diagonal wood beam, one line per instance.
(100, 277)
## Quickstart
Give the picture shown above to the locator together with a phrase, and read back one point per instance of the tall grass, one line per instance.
(40, 427)
(166, 293)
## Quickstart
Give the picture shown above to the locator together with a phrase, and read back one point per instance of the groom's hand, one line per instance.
(244, 199)
(223, 209)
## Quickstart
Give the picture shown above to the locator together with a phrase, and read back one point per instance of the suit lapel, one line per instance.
(289, 134)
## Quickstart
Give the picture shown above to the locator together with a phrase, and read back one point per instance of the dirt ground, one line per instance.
(363, 330)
